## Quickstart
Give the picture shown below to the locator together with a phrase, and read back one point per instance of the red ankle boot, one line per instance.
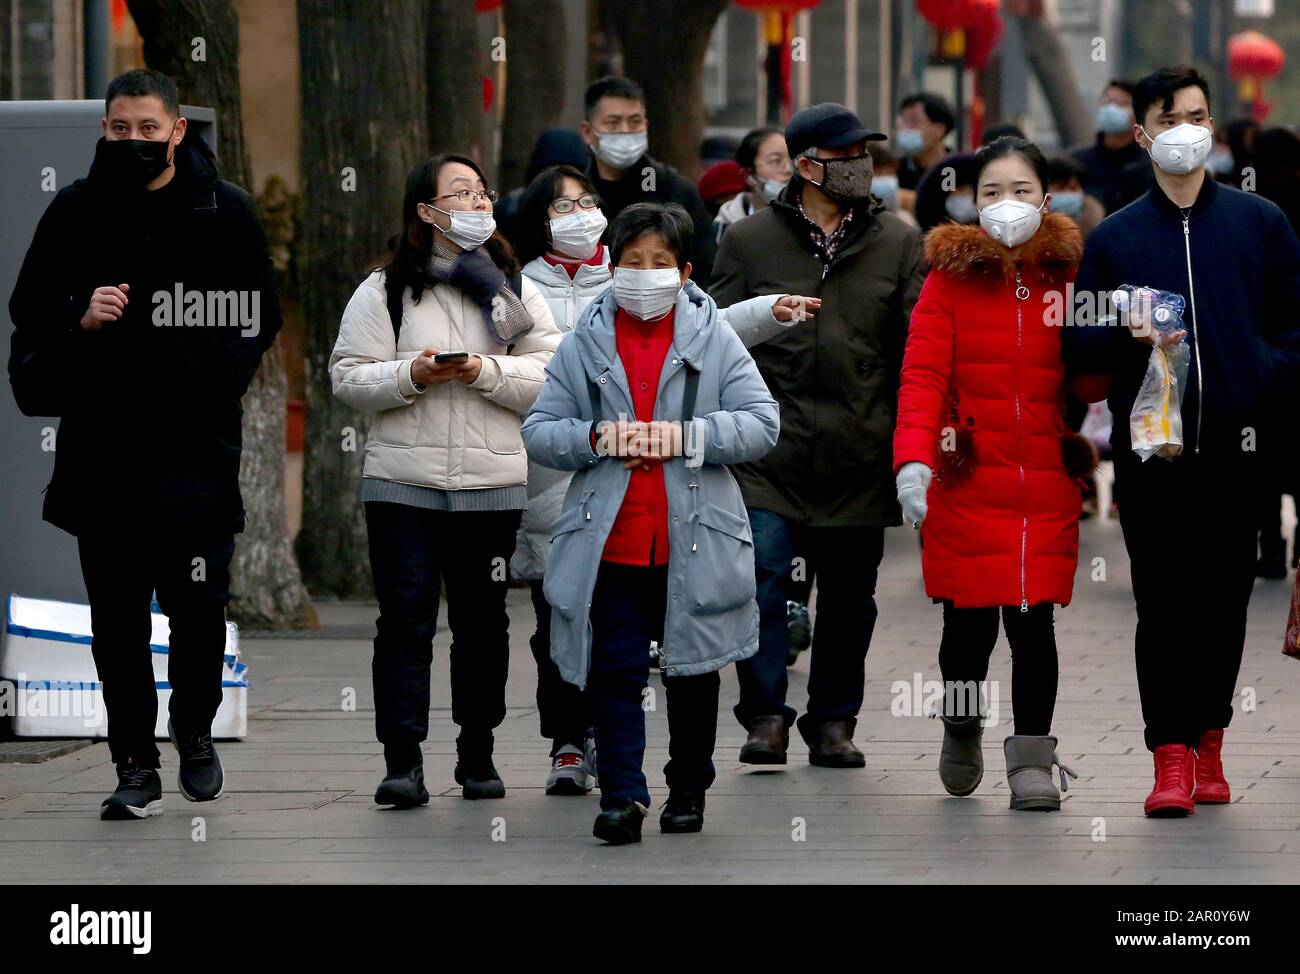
(1211, 785)
(1175, 782)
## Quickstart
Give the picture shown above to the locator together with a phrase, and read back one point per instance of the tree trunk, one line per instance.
(663, 44)
(265, 581)
(1052, 68)
(454, 80)
(365, 125)
(535, 63)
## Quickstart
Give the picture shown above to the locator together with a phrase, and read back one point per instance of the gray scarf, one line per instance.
(475, 273)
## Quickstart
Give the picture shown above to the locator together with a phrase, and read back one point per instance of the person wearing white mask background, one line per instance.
(647, 401)
(924, 122)
(981, 451)
(1066, 177)
(446, 346)
(1114, 149)
(763, 158)
(1235, 260)
(621, 170)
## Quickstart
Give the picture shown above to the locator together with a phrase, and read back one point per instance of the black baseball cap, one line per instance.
(827, 124)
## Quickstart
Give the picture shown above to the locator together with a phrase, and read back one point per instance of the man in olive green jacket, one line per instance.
(820, 501)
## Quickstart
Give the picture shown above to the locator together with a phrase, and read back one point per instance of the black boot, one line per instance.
(201, 778)
(403, 784)
(138, 794)
(475, 772)
(621, 824)
(683, 812)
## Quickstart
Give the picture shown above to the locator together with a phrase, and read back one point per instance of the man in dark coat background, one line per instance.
(820, 501)
(143, 307)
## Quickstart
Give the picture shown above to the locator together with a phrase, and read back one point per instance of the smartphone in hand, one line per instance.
(451, 357)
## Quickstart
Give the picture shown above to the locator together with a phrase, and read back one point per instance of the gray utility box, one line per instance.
(36, 137)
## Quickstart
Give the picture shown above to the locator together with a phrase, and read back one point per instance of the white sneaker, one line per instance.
(569, 774)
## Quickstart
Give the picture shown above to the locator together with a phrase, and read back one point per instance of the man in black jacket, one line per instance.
(141, 312)
(1188, 521)
(820, 501)
(623, 173)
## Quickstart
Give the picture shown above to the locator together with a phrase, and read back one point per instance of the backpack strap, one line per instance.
(516, 282)
(689, 394)
(593, 392)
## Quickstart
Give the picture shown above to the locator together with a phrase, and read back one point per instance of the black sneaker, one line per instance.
(403, 789)
(683, 812)
(138, 794)
(201, 778)
(621, 824)
(480, 780)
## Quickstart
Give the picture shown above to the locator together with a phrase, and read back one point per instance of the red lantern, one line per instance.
(1252, 59)
(946, 15)
(487, 6)
(777, 6)
(983, 32)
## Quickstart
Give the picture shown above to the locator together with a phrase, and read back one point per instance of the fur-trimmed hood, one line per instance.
(967, 252)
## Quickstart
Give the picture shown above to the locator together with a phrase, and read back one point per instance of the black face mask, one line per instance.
(132, 163)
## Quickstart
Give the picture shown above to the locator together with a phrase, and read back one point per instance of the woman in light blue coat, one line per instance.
(653, 541)
(557, 239)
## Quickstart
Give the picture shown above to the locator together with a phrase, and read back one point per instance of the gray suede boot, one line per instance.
(1029, 773)
(961, 762)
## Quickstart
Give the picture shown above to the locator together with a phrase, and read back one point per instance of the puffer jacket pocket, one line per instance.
(720, 564)
(572, 561)
(398, 427)
(502, 430)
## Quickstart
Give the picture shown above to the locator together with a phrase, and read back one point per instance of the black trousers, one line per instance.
(192, 581)
(561, 706)
(1191, 545)
(969, 636)
(413, 554)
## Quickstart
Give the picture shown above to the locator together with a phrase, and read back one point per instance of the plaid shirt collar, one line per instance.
(823, 243)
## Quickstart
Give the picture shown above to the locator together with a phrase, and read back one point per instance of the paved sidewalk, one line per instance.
(299, 809)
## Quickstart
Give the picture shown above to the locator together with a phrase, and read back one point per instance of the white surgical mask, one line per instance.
(886, 187)
(772, 188)
(1181, 149)
(909, 142)
(961, 208)
(469, 228)
(1112, 119)
(1011, 222)
(620, 149)
(646, 294)
(577, 234)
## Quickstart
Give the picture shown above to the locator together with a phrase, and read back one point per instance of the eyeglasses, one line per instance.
(468, 195)
(565, 205)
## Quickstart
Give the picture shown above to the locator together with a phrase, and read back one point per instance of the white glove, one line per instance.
(913, 482)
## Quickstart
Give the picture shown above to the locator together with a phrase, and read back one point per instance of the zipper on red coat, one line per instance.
(1022, 293)
(1196, 345)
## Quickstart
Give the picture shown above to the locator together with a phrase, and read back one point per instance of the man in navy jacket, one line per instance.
(1188, 523)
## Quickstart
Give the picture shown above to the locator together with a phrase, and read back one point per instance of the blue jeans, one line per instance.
(627, 612)
(847, 560)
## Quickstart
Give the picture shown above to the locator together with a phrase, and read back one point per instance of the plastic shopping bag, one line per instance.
(1156, 420)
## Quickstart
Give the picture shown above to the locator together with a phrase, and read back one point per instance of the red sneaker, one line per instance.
(1175, 782)
(1211, 785)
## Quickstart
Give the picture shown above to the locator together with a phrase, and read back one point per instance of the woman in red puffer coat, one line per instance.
(980, 414)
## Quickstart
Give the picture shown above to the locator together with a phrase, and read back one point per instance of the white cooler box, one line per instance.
(50, 688)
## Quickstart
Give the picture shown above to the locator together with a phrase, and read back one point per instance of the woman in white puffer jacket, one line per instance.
(446, 346)
(558, 240)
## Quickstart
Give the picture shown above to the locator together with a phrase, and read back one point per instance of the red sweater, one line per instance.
(640, 532)
(571, 264)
